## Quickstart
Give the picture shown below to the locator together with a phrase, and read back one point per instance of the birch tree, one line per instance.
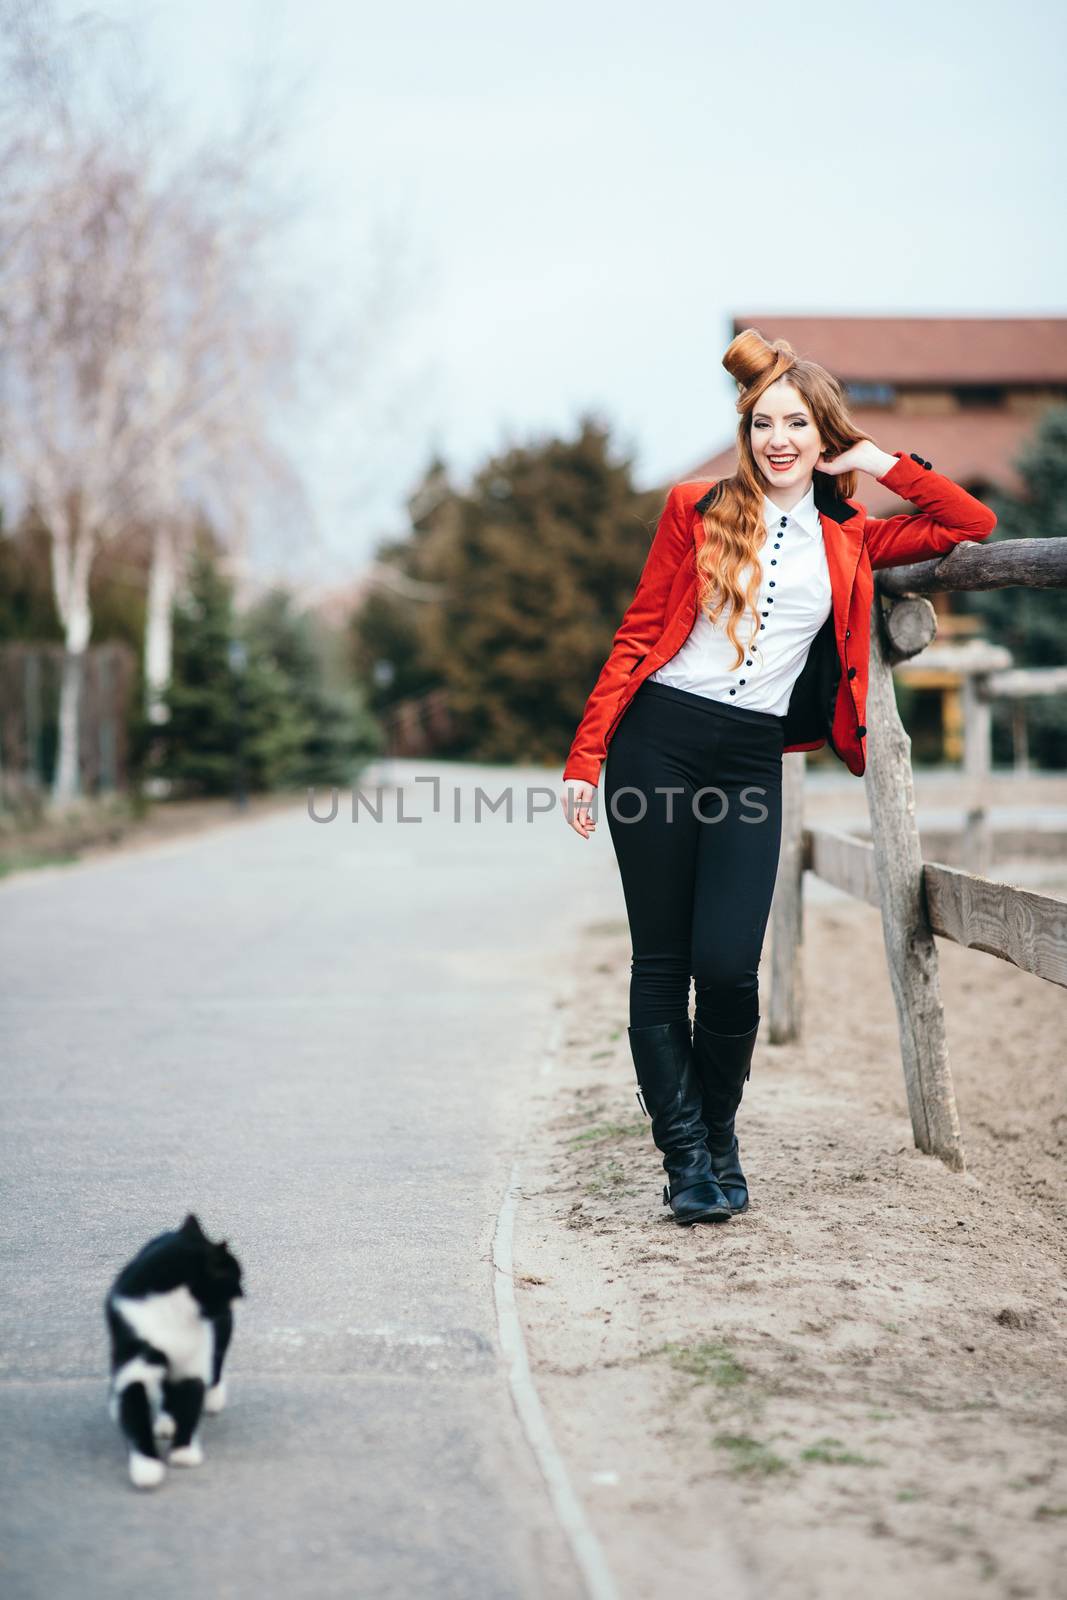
(142, 355)
(152, 363)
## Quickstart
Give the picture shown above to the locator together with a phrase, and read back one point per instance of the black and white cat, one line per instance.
(170, 1319)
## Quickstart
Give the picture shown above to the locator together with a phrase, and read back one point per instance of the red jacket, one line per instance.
(829, 698)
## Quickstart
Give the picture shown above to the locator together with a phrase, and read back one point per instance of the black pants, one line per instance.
(698, 868)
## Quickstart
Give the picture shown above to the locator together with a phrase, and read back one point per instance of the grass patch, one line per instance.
(609, 1179)
(750, 1456)
(904, 1495)
(601, 1132)
(26, 861)
(707, 1362)
(833, 1454)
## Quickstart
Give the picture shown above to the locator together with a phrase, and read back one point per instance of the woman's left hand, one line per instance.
(863, 456)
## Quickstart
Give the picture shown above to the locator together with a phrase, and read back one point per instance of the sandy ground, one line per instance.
(859, 1385)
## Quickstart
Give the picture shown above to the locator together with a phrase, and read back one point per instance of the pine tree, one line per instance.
(327, 730)
(1030, 622)
(541, 560)
(197, 747)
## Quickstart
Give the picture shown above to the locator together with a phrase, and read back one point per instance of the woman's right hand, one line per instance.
(577, 801)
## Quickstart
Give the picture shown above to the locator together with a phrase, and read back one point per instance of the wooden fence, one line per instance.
(918, 899)
(30, 676)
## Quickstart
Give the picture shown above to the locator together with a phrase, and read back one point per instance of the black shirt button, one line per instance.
(852, 672)
(848, 633)
(740, 680)
(862, 729)
(777, 547)
(926, 464)
(748, 663)
(914, 457)
(772, 583)
(762, 626)
(774, 559)
(733, 691)
(784, 521)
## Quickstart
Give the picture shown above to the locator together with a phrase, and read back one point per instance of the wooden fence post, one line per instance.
(909, 943)
(787, 910)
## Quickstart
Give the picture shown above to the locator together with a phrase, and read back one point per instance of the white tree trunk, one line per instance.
(72, 555)
(159, 618)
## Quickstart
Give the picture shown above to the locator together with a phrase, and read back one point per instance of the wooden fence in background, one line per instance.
(30, 676)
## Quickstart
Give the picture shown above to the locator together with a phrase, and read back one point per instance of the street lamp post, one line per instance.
(238, 658)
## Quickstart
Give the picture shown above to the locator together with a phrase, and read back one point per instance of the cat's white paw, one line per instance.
(146, 1472)
(187, 1455)
(164, 1426)
(215, 1398)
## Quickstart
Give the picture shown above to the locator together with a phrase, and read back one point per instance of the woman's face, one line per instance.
(785, 440)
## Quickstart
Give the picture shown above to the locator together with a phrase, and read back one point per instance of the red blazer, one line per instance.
(828, 700)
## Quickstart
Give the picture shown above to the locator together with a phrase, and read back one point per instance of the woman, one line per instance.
(748, 636)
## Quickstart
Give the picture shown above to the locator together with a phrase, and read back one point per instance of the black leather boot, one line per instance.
(670, 1095)
(723, 1062)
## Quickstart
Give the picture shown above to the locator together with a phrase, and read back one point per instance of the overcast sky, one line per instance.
(586, 193)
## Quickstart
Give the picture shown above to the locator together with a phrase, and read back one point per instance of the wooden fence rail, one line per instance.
(918, 899)
(1027, 929)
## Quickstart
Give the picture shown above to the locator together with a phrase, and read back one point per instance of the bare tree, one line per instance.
(137, 347)
(146, 360)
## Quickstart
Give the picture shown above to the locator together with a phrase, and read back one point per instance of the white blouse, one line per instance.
(794, 601)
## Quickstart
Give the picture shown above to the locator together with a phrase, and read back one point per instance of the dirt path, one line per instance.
(859, 1385)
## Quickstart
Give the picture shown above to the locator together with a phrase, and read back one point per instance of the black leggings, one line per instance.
(697, 878)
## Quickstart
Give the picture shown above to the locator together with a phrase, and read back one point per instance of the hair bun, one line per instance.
(750, 359)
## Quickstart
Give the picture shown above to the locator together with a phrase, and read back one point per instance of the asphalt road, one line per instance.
(318, 1037)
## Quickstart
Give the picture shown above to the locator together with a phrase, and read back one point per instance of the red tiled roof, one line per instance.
(970, 447)
(926, 350)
